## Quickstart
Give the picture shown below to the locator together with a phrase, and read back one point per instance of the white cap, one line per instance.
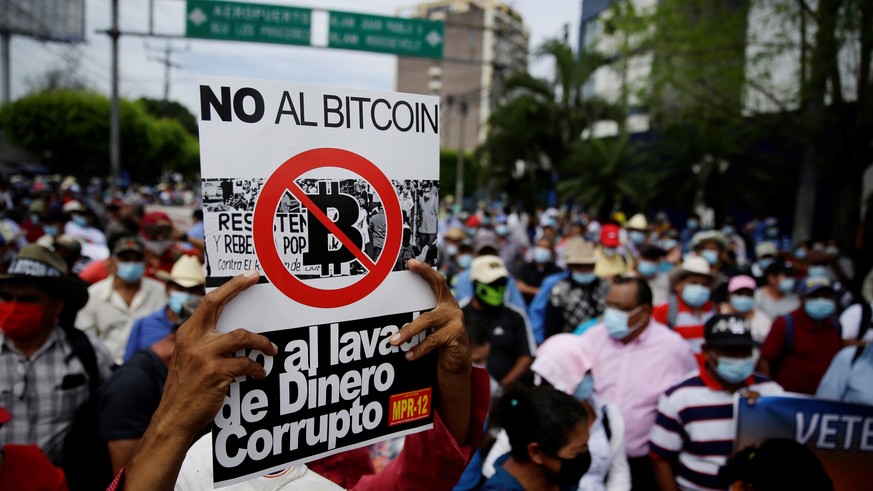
(487, 269)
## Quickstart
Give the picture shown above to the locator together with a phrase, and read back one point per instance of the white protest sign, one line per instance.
(326, 192)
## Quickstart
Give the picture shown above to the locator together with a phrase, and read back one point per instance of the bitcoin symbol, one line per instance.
(324, 248)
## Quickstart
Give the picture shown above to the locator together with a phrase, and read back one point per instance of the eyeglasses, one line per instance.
(19, 388)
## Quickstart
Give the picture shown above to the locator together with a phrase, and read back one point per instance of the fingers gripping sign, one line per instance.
(202, 368)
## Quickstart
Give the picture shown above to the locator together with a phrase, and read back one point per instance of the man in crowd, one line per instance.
(126, 295)
(695, 428)
(776, 297)
(512, 343)
(688, 309)
(636, 361)
(801, 344)
(741, 302)
(46, 371)
(184, 286)
(463, 284)
(612, 259)
(578, 298)
(648, 267)
(533, 272)
(429, 207)
(712, 246)
(848, 378)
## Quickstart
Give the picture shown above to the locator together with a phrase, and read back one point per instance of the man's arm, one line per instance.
(522, 364)
(120, 452)
(664, 475)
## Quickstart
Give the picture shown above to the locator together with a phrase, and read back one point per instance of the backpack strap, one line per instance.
(672, 311)
(866, 320)
(84, 351)
(859, 350)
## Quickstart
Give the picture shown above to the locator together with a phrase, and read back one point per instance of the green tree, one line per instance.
(69, 131)
(534, 133)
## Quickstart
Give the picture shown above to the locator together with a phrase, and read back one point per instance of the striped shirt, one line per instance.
(695, 428)
(43, 392)
(688, 324)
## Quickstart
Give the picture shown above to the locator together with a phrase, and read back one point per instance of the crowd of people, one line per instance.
(614, 346)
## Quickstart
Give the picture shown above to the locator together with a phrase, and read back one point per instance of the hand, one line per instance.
(752, 397)
(447, 320)
(202, 368)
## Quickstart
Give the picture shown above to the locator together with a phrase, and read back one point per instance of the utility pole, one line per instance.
(114, 113)
(5, 39)
(168, 63)
(459, 169)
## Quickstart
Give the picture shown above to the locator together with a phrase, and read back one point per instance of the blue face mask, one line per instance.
(742, 303)
(541, 255)
(177, 301)
(710, 255)
(616, 322)
(786, 285)
(583, 278)
(695, 295)
(735, 370)
(647, 268)
(818, 271)
(668, 244)
(451, 250)
(666, 266)
(728, 230)
(80, 220)
(800, 253)
(691, 223)
(765, 263)
(772, 232)
(130, 272)
(637, 237)
(465, 260)
(585, 388)
(502, 230)
(609, 251)
(820, 308)
(52, 230)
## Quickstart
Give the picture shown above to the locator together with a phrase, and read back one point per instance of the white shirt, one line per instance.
(850, 320)
(110, 319)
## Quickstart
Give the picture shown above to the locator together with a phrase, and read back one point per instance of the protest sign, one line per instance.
(326, 192)
(840, 434)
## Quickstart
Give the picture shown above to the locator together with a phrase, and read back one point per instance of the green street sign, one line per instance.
(395, 35)
(240, 21)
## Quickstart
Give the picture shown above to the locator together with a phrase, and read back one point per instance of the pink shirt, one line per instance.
(633, 376)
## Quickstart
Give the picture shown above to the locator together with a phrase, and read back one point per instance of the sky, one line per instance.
(142, 75)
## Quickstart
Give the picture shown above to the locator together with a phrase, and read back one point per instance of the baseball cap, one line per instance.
(740, 282)
(609, 236)
(486, 239)
(728, 331)
(488, 269)
(128, 244)
(812, 284)
(765, 249)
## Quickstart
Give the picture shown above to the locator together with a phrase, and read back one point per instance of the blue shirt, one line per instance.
(147, 331)
(502, 480)
(849, 381)
(536, 312)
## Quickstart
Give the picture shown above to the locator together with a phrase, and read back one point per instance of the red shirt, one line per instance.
(813, 346)
(689, 323)
(26, 467)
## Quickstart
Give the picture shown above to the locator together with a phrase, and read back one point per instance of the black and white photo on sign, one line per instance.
(308, 249)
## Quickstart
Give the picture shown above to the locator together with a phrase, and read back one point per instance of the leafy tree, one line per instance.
(69, 131)
(172, 110)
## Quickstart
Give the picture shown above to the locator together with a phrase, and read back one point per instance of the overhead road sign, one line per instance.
(241, 21)
(394, 35)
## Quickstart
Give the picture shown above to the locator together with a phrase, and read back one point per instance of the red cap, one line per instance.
(609, 236)
(4, 416)
(155, 218)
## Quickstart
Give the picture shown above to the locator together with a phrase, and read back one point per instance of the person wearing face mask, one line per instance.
(691, 304)
(692, 226)
(695, 427)
(512, 343)
(548, 432)
(562, 363)
(185, 284)
(712, 246)
(533, 273)
(777, 298)
(741, 302)
(765, 253)
(82, 224)
(638, 233)
(45, 372)
(448, 252)
(801, 344)
(126, 295)
(578, 298)
(648, 268)
(161, 250)
(462, 284)
(634, 361)
(612, 260)
(510, 249)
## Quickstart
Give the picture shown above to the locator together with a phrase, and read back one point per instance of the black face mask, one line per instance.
(572, 470)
